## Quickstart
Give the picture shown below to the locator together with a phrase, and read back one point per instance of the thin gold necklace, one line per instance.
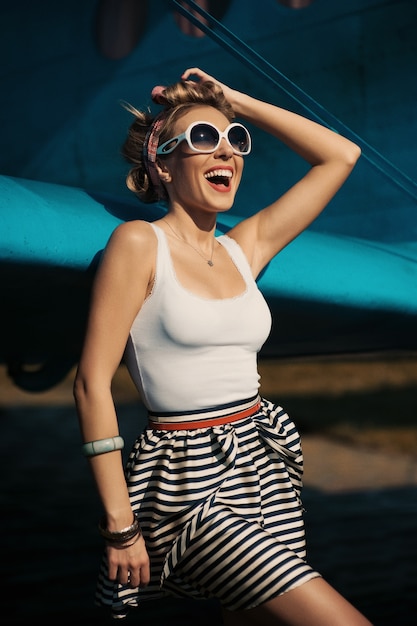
(208, 261)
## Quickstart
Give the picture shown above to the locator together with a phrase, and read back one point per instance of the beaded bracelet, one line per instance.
(101, 446)
(120, 536)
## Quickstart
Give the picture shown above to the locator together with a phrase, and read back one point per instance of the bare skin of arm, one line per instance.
(331, 157)
(123, 280)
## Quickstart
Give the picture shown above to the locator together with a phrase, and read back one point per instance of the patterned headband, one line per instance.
(150, 146)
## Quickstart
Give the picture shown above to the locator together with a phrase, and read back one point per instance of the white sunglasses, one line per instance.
(205, 138)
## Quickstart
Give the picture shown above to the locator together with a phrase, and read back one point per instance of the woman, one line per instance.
(209, 504)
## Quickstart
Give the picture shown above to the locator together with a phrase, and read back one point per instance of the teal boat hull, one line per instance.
(346, 285)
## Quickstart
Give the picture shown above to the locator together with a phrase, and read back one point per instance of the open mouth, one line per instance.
(219, 178)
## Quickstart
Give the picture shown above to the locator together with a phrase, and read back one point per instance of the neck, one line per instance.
(188, 220)
(178, 233)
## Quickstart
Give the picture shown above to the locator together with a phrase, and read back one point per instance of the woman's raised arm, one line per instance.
(331, 157)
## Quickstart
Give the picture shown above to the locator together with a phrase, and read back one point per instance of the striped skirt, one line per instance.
(220, 511)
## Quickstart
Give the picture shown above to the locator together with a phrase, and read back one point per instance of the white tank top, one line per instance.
(187, 352)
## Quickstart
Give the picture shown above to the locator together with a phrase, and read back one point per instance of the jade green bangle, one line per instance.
(101, 446)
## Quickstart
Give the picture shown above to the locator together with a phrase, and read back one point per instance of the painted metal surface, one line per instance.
(347, 284)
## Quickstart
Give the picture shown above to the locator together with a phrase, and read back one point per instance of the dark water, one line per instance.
(364, 543)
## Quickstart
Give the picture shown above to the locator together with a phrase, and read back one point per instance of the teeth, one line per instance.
(222, 173)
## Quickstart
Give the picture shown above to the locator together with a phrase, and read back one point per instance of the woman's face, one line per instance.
(203, 182)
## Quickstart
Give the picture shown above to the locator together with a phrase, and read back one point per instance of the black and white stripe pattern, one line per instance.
(220, 511)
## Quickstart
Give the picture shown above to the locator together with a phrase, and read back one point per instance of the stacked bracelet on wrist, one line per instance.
(122, 537)
(101, 446)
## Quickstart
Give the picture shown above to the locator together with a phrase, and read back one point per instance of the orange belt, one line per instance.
(215, 421)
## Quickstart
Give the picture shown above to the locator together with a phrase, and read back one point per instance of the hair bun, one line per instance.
(158, 95)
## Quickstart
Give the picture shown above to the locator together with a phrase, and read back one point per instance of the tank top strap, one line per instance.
(163, 255)
(238, 256)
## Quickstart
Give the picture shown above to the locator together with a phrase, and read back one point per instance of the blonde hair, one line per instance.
(177, 100)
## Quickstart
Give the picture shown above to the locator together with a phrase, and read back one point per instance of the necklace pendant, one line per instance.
(210, 262)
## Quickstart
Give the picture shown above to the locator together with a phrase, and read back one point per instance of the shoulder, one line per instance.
(133, 231)
(131, 248)
(127, 266)
(134, 237)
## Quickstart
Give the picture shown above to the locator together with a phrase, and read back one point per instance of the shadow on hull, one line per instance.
(348, 284)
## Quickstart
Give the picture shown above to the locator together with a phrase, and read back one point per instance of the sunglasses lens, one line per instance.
(239, 139)
(204, 138)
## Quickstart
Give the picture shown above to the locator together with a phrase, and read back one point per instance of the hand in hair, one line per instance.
(203, 77)
(158, 95)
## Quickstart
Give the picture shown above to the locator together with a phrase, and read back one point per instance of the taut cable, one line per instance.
(249, 57)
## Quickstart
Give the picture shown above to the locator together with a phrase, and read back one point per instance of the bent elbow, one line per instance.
(352, 155)
(79, 389)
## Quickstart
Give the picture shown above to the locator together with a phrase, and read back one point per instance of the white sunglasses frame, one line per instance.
(187, 136)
